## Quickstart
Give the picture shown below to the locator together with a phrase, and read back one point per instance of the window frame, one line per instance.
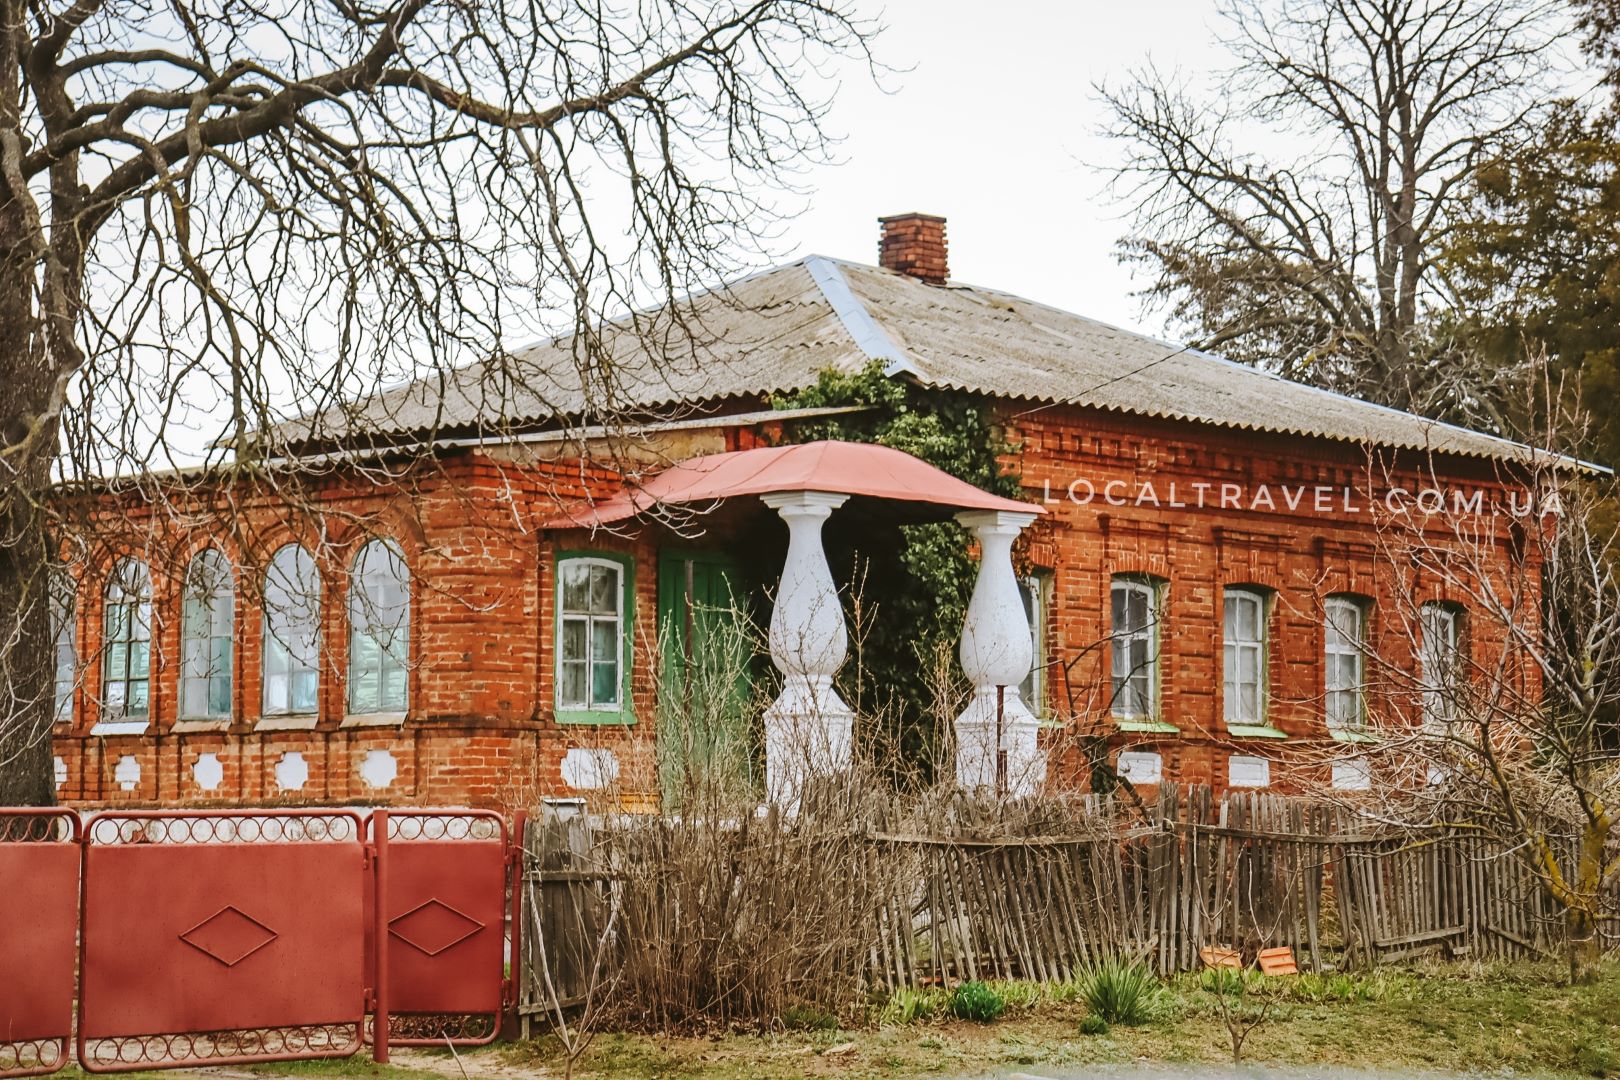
(268, 639)
(118, 719)
(387, 660)
(1153, 589)
(187, 676)
(1437, 710)
(1363, 612)
(1035, 590)
(625, 565)
(63, 605)
(1262, 600)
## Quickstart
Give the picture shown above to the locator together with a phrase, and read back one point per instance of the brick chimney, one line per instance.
(914, 244)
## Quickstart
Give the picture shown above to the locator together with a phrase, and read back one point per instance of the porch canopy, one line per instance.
(861, 470)
(808, 729)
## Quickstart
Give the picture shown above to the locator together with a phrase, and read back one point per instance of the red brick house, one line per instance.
(1204, 589)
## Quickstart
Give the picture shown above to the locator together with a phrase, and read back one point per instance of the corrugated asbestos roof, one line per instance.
(777, 330)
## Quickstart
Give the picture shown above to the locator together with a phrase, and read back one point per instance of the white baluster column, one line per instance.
(997, 652)
(807, 728)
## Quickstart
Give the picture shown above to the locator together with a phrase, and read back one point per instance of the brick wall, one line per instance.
(1298, 552)
(481, 729)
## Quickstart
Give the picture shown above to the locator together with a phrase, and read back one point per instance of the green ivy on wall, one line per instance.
(915, 580)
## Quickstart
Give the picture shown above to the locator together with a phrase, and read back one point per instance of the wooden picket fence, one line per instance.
(1038, 891)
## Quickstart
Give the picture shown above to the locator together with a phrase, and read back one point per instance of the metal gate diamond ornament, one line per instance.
(433, 927)
(229, 936)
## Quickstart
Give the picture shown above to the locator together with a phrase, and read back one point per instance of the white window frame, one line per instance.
(1342, 612)
(393, 659)
(1234, 648)
(64, 644)
(116, 718)
(1119, 704)
(1438, 686)
(278, 660)
(221, 592)
(590, 619)
(1035, 591)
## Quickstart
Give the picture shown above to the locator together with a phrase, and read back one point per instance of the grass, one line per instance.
(1492, 1019)
(1464, 1017)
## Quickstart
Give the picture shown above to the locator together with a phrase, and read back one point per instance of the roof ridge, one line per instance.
(858, 322)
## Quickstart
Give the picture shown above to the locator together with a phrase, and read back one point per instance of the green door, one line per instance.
(703, 688)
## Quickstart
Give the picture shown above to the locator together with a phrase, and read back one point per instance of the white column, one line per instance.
(997, 652)
(807, 728)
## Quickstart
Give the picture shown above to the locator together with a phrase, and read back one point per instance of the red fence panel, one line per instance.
(446, 878)
(226, 936)
(39, 920)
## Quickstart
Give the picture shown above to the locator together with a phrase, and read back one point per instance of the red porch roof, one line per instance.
(842, 468)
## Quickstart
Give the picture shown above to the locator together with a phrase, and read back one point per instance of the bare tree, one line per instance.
(217, 219)
(1499, 713)
(1293, 220)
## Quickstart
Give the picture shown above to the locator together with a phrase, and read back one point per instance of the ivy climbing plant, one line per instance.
(912, 582)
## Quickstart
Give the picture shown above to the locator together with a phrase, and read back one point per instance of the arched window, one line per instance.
(207, 630)
(1440, 655)
(126, 645)
(1134, 646)
(379, 629)
(1244, 656)
(1036, 593)
(1345, 638)
(292, 632)
(64, 637)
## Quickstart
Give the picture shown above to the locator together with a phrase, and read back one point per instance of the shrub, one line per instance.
(1019, 993)
(1120, 991)
(911, 1006)
(976, 1001)
(1093, 1025)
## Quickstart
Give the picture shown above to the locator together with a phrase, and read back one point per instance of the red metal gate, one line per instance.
(229, 937)
(39, 922)
(446, 876)
(214, 937)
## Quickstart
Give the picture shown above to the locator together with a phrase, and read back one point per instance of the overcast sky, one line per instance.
(994, 127)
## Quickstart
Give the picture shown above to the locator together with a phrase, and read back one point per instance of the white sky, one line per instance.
(995, 127)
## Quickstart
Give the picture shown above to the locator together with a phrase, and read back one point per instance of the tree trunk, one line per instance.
(27, 663)
(28, 445)
(1581, 930)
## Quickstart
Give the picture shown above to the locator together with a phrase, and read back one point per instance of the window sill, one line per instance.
(1346, 735)
(594, 716)
(1255, 731)
(120, 727)
(1157, 726)
(215, 723)
(287, 723)
(391, 719)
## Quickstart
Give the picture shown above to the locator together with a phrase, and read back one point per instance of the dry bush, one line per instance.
(736, 918)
